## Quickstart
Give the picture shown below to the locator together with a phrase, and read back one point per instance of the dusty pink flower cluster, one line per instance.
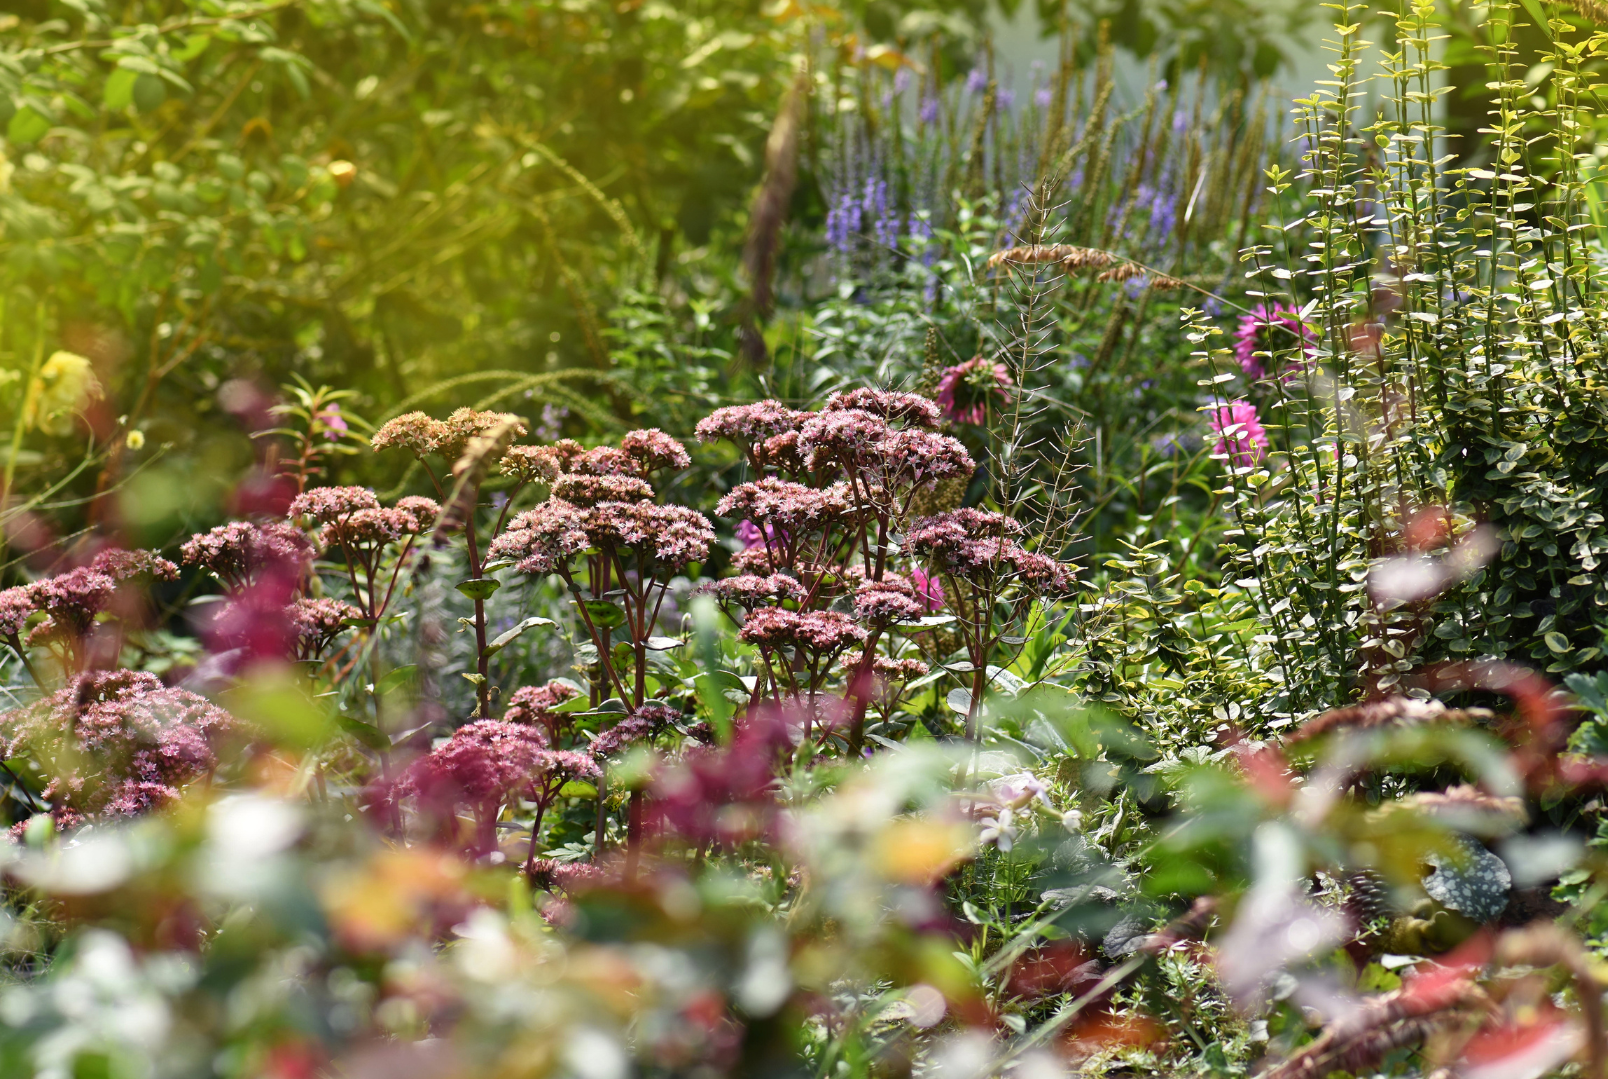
(534, 706)
(980, 546)
(237, 553)
(317, 623)
(122, 565)
(644, 723)
(818, 633)
(662, 538)
(117, 743)
(888, 601)
(532, 463)
(484, 765)
(888, 404)
(750, 590)
(587, 491)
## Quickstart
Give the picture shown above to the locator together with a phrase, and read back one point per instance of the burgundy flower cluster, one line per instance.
(484, 765)
(117, 743)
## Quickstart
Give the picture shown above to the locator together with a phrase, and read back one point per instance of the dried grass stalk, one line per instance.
(482, 452)
(1070, 256)
(1122, 272)
(1590, 10)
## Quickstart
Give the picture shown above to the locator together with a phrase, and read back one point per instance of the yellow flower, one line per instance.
(62, 388)
(136, 440)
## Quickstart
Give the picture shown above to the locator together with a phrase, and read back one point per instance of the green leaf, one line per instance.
(119, 93)
(395, 679)
(604, 615)
(149, 92)
(27, 126)
(1591, 691)
(1557, 641)
(503, 640)
(664, 644)
(959, 701)
(367, 733)
(711, 688)
(194, 45)
(481, 588)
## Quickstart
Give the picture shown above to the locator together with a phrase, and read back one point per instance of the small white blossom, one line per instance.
(1000, 830)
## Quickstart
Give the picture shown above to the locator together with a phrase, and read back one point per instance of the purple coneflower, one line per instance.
(1240, 434)
(965, 389)
(1267, 330)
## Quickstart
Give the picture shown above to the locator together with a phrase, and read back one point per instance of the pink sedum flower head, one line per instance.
(121, 565)
(327, 504)
(1272, 330)
(1240, 435)
(239, 552)
(967, 389)
(317, 622)
(653, 450)
(887, 404)
(751, 591)
(748, 424)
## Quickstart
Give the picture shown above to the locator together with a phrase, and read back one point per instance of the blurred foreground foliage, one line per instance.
(741, 552)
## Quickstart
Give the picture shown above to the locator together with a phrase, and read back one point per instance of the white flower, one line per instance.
(999, 830)
(1072, 820)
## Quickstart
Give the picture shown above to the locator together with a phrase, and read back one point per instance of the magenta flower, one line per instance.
(1240, 434)
(749, 535)
(929, 589)
(331, 419)
(966, 389)
(1269, 330)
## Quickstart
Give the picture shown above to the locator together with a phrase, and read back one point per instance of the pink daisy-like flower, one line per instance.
(929, 589)
(965, 390)
(749, 535)
(1268, 331)
(1240, 434)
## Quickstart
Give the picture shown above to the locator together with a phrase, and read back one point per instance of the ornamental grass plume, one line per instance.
(1241, 437)
(117, 743)
(1269, 332)
(966, 390)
